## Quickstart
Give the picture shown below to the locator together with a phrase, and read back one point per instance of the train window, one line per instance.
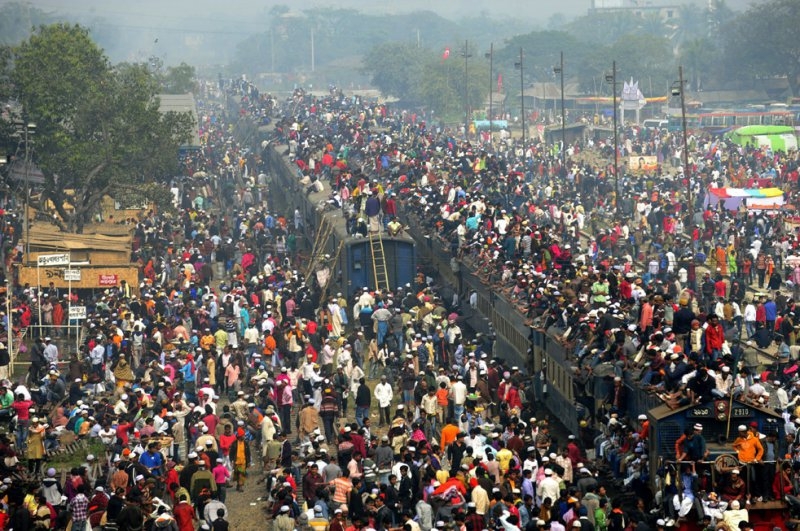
(358, 259)
(483, 305)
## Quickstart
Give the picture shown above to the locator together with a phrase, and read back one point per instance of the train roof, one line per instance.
(337, 220)
(664, 411)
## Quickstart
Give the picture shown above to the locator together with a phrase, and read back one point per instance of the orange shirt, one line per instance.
(269, 345)
(442, 397)
(449, 434)
(748, 448)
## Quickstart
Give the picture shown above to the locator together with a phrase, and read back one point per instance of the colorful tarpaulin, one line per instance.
(774, 137)
(732, 198)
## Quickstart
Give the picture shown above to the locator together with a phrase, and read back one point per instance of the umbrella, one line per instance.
(199, 174)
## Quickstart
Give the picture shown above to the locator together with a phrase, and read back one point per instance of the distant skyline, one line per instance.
(163, 12)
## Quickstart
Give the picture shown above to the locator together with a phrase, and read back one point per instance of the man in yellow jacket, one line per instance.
(748, 446)
(750, 452)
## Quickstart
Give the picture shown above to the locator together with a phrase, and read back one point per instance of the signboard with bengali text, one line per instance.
(50, 260)
(77, 312)
(108, 280)
(72, 275)
(90, 276)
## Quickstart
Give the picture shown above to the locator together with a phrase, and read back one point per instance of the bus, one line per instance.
(675, 123)
(718, 122)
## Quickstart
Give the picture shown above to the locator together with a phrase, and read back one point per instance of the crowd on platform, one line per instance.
(227, 361)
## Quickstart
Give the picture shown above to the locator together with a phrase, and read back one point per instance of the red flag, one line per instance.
(446, 53)
(499, 82)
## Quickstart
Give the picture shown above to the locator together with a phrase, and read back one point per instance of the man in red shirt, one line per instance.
(184, 515)
(22, 408)
(574, 452)
(720, 287)
(123, 431)
(715, 336)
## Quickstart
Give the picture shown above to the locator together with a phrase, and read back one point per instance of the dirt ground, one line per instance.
(245, 511)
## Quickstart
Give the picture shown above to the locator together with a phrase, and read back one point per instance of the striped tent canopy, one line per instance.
(732, 198)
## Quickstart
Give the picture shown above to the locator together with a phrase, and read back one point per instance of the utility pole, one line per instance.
(490, 56)
(29, 130)
(466, 89)
(560, 70)
(612, 79)
(679, 89)
(521, 98)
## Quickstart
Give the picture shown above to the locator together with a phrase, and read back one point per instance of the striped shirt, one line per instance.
(342, 488)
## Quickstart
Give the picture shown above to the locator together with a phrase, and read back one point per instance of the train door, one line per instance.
(359, 269)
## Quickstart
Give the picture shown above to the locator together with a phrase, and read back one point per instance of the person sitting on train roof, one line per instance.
(394, 227)
(700, 388)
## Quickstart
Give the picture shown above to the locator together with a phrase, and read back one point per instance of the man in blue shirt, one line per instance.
(771, 311)
(152, 459)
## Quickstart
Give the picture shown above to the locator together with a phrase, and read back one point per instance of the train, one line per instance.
(340, 260)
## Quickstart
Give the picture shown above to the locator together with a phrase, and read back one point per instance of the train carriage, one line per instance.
(339, 259)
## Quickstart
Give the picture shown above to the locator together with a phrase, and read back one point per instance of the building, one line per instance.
(641, 8)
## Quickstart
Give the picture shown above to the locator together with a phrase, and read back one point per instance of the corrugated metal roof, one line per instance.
(47, 237)
(552, 91)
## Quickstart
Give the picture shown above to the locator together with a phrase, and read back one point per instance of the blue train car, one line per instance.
(720, 419)
(356, 257)
(346, 258)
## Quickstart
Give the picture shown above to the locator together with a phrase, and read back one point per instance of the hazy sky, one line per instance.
(158, 12)
(209, 31)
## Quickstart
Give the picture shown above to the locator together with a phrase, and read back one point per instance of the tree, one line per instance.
(644, 58)
(759, 43)
(17, 20)
(652, 24)
(698, 56)
(99, 130)
(179, 80)
(603, 28)
(688, 25)
(396, 68)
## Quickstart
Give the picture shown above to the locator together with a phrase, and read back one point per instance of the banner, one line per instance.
(500, 83)
(108, 280)
(643, 163)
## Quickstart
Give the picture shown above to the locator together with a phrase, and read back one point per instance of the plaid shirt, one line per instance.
(80, 508)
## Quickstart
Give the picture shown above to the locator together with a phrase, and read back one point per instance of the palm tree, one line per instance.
(718, 14)
(688, 24)
(698, 57)
(653, 24)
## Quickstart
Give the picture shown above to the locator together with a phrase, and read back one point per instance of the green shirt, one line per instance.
(6, 400)
(600, 523)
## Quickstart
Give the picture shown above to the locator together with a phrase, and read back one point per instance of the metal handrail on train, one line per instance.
(724, 464)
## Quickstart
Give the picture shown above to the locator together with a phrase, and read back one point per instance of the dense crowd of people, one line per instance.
(557, 240)
(381, 410)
